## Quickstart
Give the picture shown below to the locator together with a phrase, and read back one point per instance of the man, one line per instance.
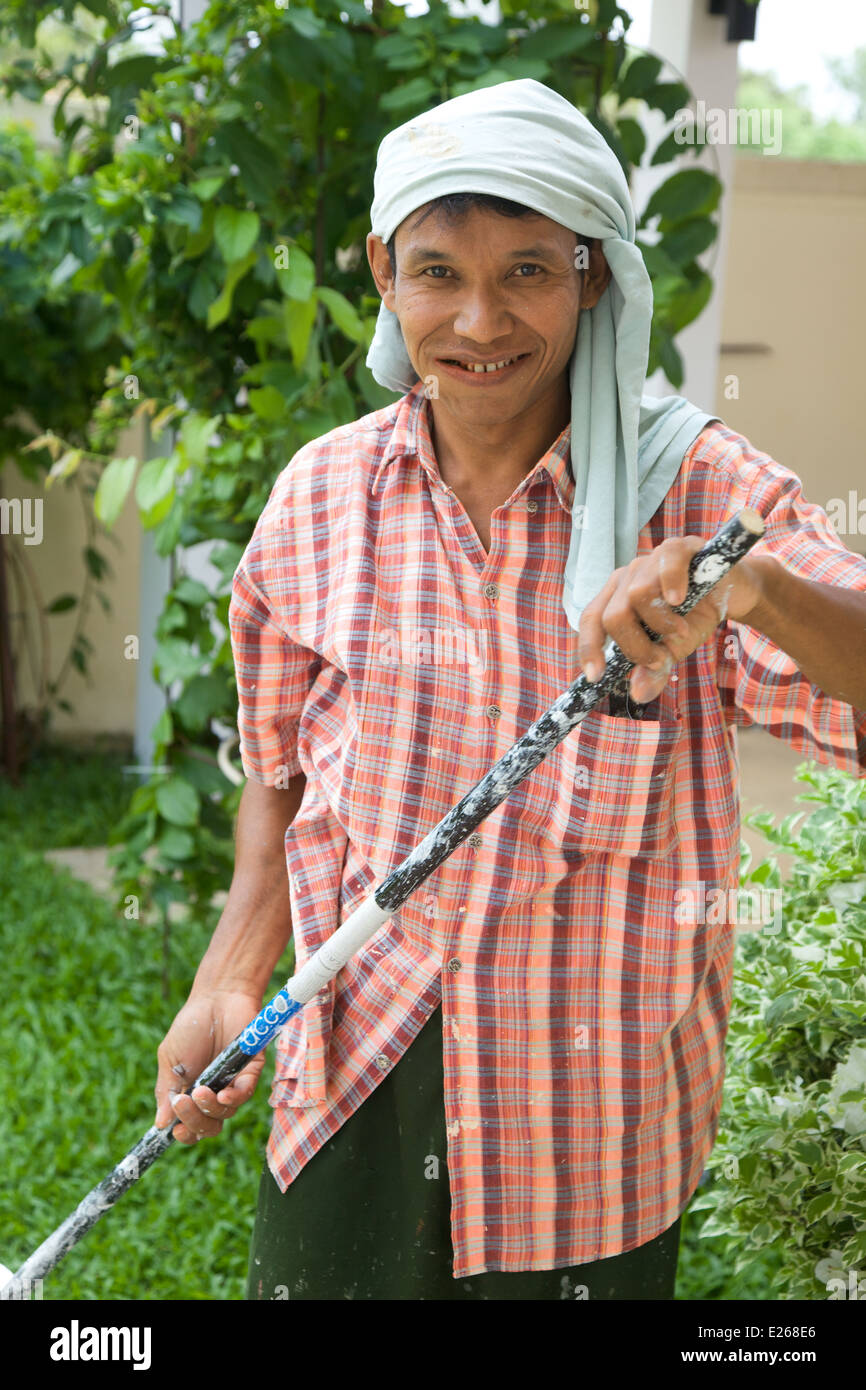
(511, 1092)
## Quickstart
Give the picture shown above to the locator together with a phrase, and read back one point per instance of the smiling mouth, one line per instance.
(488, 368)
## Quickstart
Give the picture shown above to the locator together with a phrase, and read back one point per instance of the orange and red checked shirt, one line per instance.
(382, 652)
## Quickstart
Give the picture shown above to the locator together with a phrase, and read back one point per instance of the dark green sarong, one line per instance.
(366, 1218)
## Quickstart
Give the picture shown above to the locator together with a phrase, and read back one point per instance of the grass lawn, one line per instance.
(82, 1018)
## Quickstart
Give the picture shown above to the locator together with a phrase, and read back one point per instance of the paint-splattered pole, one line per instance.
(707, 567)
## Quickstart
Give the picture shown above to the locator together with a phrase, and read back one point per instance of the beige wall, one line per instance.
(795, 286)
(104, 702)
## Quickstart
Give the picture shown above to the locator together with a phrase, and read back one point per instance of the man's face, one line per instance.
(482, 289)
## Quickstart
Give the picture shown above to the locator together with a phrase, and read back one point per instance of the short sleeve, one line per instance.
(759, 683)
(274, 677)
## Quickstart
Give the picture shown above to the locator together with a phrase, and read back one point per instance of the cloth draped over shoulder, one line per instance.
(522, 141)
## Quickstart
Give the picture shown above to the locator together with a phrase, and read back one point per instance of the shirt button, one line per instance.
(494, 711)
(474, 840)
(455, 965)
(532, 505)
(491, 591)
(382, 1062)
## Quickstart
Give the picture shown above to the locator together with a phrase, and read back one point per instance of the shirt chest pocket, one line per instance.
(610, 788)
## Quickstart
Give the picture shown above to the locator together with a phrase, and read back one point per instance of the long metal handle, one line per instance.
(707, 567)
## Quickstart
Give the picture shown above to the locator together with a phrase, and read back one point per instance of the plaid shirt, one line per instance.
(382, 652)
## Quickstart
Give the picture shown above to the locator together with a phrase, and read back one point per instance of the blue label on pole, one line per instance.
(268, 1022)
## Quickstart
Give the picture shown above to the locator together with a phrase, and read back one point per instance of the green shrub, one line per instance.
(786, 1200)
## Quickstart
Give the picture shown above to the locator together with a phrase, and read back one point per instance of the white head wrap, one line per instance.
(520, 140)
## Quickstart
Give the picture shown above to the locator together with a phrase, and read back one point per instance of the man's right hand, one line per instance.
(236, 970)
(205, 1025)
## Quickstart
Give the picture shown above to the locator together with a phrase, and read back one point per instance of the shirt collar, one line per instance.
(410, 438)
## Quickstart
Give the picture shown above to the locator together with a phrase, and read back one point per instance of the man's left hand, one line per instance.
(648, 589)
